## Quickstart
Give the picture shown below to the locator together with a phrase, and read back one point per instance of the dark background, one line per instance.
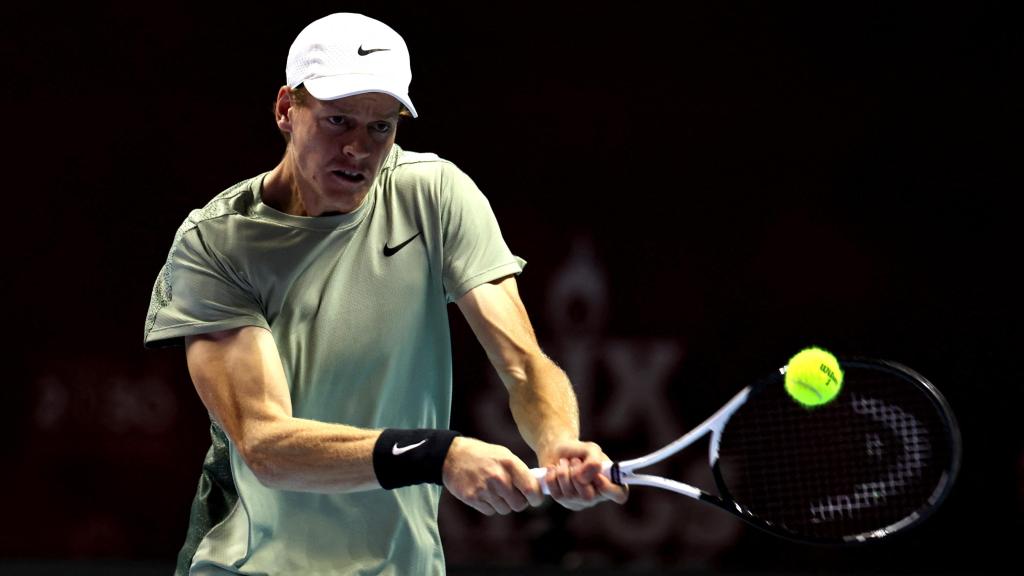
(739, 180)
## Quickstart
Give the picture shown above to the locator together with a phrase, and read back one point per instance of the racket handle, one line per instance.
(541, 473)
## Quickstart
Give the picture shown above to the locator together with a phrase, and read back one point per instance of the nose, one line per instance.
(358, 147)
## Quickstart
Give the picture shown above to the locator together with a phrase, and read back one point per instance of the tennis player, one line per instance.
(312, 303)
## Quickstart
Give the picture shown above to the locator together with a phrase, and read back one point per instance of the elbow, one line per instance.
(259, 455)
(256, 458)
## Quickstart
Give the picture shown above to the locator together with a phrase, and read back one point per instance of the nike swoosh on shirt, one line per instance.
(397, 451)
(388, 251)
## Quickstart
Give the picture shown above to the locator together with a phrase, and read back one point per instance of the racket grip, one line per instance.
(541, 473)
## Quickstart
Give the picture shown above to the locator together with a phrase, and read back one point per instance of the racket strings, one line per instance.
(866, 461)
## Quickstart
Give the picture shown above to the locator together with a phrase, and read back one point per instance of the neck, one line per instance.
(285, 191)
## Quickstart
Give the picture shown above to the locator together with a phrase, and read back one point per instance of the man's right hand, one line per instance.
(489, 477)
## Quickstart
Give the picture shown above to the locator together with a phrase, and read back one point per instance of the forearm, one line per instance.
(310, 456)
(540, 395)
(543, 403)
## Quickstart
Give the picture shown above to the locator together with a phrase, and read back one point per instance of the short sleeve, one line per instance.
(196, 292)
(474, 250)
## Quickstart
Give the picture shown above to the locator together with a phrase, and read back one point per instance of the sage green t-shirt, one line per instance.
(357, 304)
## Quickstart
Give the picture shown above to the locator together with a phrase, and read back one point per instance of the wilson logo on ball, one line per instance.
(828, 372)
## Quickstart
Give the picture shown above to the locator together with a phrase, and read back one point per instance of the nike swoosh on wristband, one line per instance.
(395, 450)
(388, 251)
(371, 50)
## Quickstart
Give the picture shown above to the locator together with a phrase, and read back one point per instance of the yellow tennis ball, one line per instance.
(813, 377)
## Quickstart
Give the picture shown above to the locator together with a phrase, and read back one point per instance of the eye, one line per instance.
(336, 120)
(382, 127)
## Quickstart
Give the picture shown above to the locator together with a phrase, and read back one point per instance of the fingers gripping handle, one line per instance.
(609, 470)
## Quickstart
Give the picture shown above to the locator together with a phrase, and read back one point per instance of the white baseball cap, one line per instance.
(347, 54)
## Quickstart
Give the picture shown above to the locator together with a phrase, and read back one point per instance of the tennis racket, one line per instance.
(873, 462)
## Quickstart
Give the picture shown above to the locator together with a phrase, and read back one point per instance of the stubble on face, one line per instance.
(335, 152)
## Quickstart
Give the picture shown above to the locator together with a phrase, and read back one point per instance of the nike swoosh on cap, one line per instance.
(371, 50)
(398, 451)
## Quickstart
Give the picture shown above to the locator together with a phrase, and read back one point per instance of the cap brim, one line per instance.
(335, 87)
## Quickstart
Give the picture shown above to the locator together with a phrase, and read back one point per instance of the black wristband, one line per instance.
(407, 457)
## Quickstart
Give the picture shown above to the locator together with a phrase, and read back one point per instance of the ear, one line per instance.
(282, 110)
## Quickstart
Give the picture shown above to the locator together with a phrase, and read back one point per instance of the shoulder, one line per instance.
(423, 171)
(215, 218)
(237, 199)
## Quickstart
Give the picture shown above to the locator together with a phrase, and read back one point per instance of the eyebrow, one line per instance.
(348, 111)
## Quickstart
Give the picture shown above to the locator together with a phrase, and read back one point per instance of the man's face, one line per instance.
(338, 146)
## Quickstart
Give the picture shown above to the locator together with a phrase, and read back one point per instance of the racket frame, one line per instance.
(624, 472)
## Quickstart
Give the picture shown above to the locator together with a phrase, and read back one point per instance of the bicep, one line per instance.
(240, 379)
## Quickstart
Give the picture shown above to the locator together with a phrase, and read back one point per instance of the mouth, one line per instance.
(349, 176)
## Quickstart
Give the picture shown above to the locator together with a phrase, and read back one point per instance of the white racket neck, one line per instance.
(624, 471)
(712, 425)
